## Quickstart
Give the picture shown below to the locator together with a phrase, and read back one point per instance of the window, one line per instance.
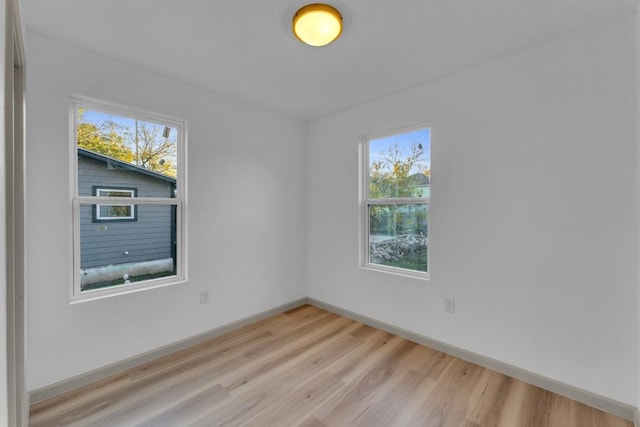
(129, 199)
(114, 212)
(396, 192)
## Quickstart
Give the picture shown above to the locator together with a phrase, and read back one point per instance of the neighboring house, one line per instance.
(123, 239)
(422, 186)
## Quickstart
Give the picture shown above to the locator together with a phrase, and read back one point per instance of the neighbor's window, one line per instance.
(115, 212)
(128, 199)
(396, 189)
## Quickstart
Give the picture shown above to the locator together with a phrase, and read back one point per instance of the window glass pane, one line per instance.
(115, 211)
(398, 235)
(399, 165)
(118, 253)
(117, 151)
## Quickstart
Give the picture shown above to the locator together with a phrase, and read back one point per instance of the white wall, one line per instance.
(247, 223)
(532, 217)
(3, 243)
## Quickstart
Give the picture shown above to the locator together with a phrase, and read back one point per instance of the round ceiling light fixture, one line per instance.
(317, 24)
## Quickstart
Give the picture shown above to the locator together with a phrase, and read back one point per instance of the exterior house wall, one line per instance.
(116, 242)
(423, 191)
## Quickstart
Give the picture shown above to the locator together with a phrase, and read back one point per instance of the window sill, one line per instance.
(396, 271)
(116, 291)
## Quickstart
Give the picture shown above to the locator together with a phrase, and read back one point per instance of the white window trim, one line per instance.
(365, 203)
(116, 218)
(180, 201)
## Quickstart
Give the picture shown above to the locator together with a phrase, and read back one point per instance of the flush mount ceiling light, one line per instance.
(317, 24)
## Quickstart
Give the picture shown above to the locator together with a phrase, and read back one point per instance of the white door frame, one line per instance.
(14, 128)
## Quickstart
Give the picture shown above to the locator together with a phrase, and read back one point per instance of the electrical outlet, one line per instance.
(449, 305)
(204, 297)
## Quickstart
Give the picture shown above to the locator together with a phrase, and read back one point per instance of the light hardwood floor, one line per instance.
(311, 368)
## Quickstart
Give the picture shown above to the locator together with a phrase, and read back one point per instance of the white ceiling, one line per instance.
(245, 47)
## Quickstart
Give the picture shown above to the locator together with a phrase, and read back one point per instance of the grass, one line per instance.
(416, 262)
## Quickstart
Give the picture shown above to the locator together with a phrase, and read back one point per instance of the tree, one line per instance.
(153, 150)
(109, 143)
(145, 146)
(397, 175)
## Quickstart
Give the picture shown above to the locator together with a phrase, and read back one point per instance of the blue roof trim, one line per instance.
(125, 165)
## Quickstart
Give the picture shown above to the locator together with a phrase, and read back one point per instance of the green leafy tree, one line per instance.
(104, 140)
(397, 175)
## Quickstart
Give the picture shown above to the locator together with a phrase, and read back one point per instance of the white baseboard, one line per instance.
(620, 409)
(611, 406)
(121, 366)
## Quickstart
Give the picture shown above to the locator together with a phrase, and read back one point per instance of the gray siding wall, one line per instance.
(116, 242)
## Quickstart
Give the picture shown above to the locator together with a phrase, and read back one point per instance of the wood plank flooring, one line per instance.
(311, 368)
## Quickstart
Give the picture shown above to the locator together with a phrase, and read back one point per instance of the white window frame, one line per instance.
(366, 203)
(132, 194)
(180, 200)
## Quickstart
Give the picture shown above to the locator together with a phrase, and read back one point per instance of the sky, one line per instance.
(377, 146)
(404, 140)
(97, 118)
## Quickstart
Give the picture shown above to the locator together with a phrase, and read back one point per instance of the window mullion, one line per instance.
(399, 201)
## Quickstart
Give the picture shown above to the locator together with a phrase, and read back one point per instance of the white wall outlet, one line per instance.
(204, 297)
(449, 305)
